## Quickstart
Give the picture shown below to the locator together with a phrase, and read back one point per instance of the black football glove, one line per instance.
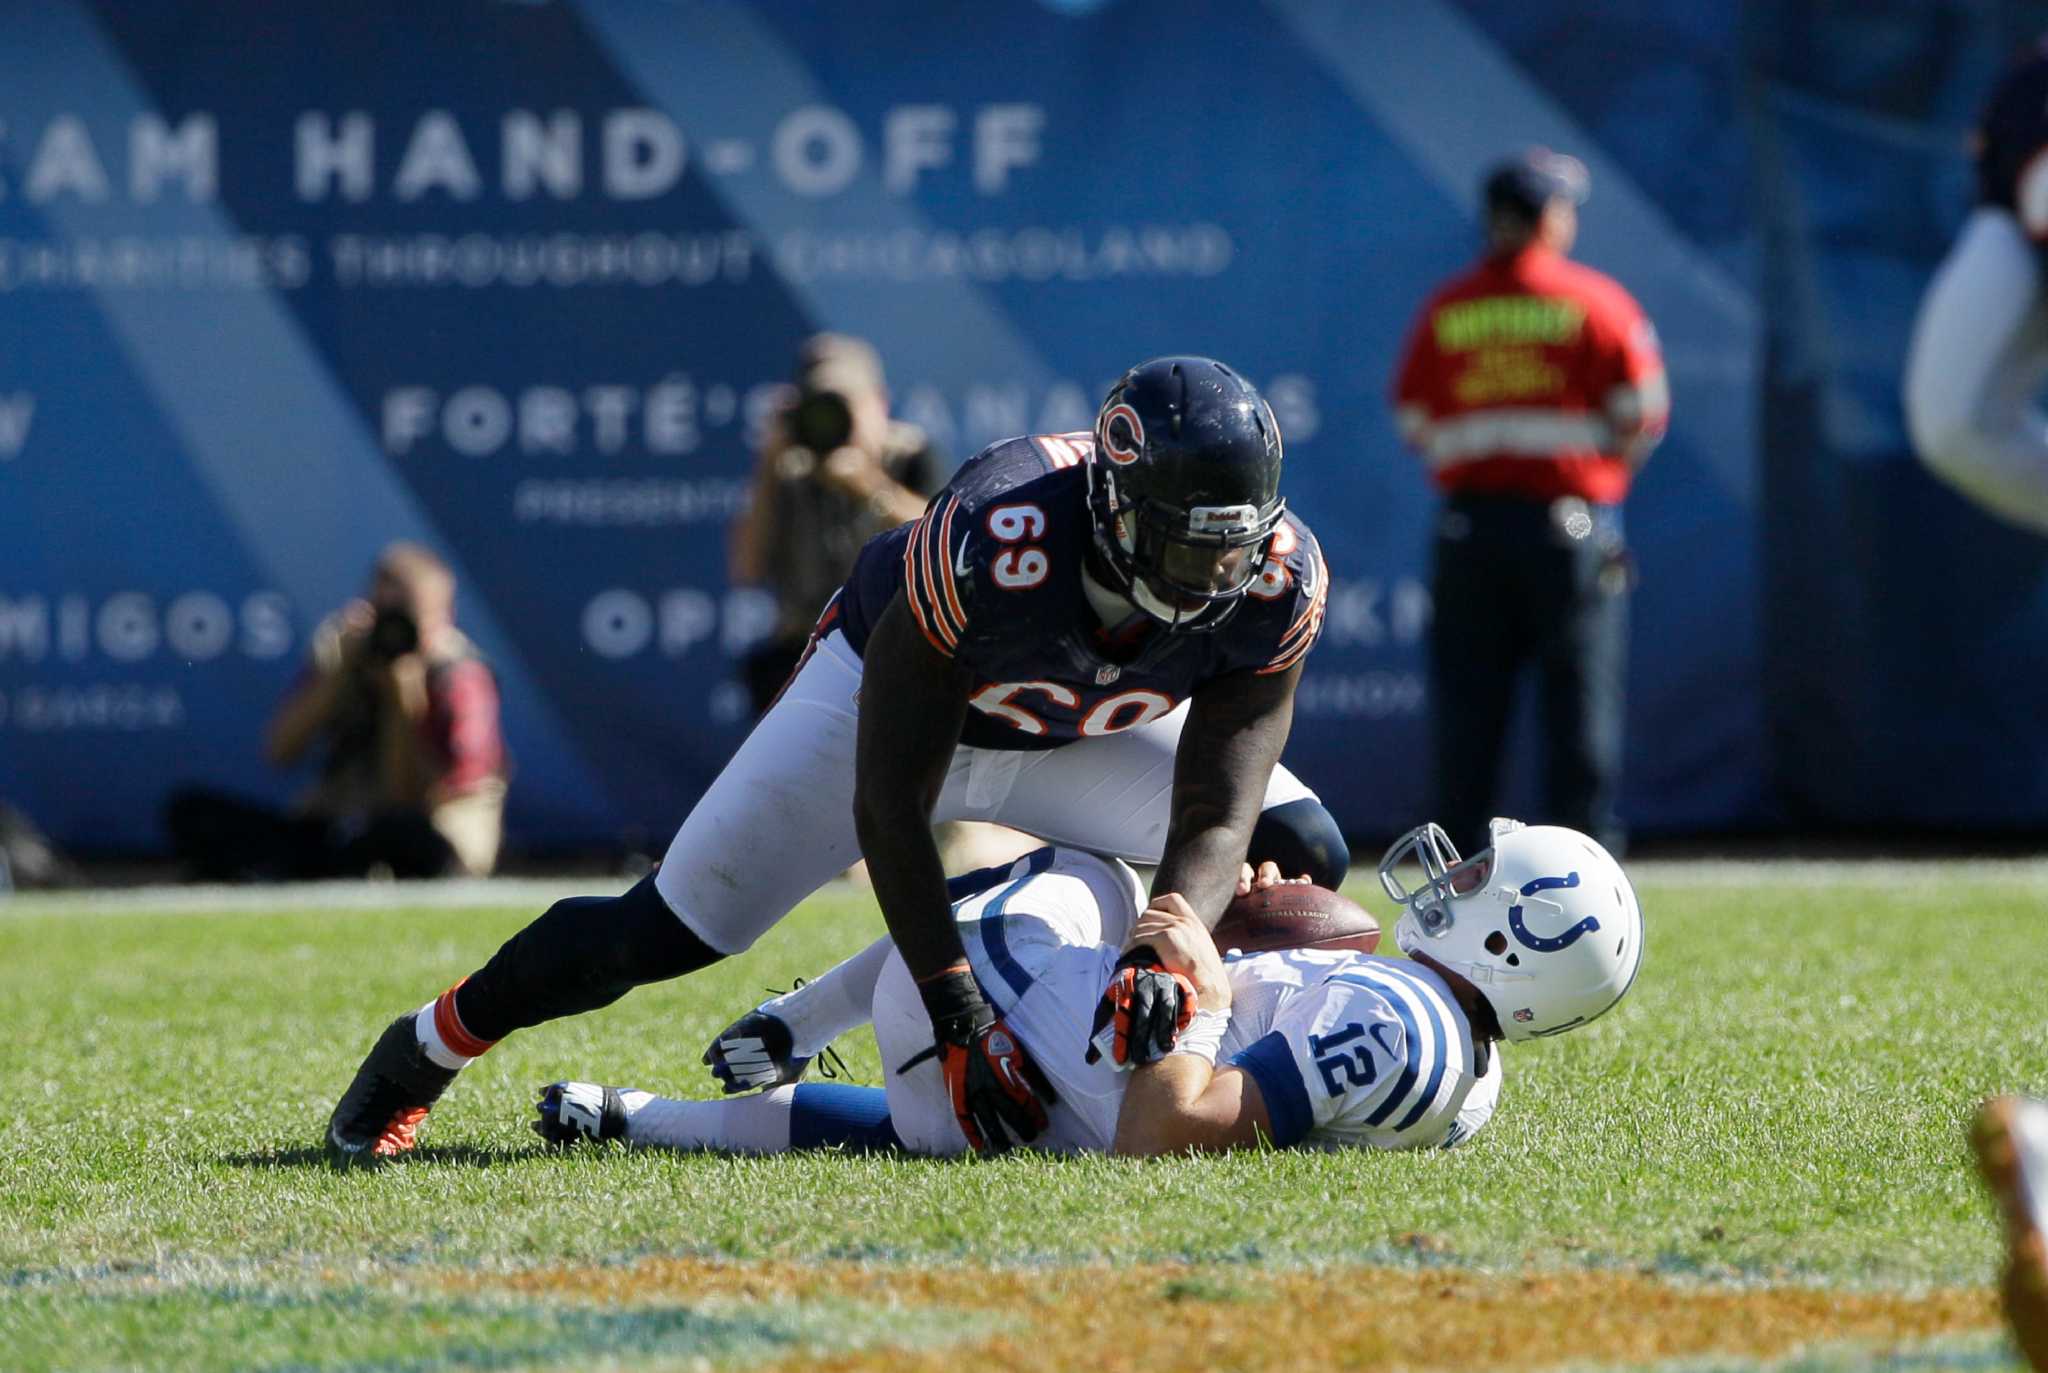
(1142, 1012)
(999, 1095)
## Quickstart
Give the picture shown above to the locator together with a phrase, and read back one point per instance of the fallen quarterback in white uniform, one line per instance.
(1537, 935)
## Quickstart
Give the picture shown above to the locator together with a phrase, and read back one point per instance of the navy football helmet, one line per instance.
(1184, 489)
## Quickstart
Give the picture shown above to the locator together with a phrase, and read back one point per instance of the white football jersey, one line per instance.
(1349, 1050)
(1352, 1050)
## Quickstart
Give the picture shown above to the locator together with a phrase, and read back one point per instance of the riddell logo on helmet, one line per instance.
(1222, 519)
(1119, 452)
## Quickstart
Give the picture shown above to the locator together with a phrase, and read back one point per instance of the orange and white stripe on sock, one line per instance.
(444, 1037)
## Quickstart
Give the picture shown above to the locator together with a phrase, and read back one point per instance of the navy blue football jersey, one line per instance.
(992, 576)
(2011, 138)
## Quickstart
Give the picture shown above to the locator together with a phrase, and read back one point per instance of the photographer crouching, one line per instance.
(404, 715)
(833, 471)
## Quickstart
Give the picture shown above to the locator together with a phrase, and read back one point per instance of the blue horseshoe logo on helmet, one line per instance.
(1557, 942)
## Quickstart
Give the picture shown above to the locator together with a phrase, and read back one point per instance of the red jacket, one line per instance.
(1532, 376)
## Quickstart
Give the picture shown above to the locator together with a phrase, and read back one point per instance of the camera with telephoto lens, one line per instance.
(393, 634)
(820, 420)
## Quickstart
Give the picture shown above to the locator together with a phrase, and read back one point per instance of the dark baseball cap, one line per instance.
(1533, 178)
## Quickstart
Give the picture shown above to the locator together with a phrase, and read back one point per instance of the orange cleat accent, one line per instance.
(379, 1115)
(401, 1134)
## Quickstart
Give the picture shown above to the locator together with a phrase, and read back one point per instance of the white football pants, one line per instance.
(1978, 359)
(777, 824)
(1042, 946)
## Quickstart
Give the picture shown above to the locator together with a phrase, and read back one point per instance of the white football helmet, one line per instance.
(1543, 922)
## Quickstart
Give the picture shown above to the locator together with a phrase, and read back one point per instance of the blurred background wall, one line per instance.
(281, 283)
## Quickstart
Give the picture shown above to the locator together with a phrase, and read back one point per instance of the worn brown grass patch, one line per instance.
(1215, 1316)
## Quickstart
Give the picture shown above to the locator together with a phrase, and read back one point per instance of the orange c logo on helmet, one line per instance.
(1121, 453)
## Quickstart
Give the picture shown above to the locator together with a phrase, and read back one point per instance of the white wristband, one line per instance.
(1204, 1035)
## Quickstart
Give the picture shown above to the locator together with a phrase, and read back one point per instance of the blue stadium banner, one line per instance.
(281, 283)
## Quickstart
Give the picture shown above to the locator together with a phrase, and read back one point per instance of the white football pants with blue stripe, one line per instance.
(777, 824)
(1042, 945)
(1975, 370)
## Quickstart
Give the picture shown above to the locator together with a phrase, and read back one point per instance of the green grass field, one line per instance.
(1775, 1116)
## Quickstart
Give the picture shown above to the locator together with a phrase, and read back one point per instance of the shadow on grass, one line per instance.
(316, 1157)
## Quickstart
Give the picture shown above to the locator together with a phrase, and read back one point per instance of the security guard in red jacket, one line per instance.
(1534, 389)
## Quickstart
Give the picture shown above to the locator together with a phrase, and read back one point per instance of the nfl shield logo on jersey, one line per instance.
(1105, 675)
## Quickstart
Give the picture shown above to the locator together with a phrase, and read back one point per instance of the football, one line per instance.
(1296, 916)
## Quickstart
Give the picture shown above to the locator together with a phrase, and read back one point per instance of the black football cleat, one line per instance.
(570, 1112)
(379, 1115)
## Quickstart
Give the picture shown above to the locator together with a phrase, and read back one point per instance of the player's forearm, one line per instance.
(913, 703)
(1215, 806)
(1235, 731)
(1202, 863)
(910, 883)
(1158, 1112)
(1183, 1103)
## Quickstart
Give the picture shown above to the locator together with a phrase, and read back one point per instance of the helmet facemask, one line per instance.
(1191, 562)
(1445, 878)
(1186, 568)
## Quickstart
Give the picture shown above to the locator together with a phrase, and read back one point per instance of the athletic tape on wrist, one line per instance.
(1204, 1036)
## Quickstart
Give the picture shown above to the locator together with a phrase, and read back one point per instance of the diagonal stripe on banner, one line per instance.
(734, 75)
(1393, 60)
(287, 455)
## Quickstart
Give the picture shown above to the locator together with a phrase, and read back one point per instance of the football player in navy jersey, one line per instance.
(1093, 638)
(1980, 346)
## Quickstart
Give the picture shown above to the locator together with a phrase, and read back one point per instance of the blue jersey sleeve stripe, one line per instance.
(1445, 1042)
(1412, 1042)
(1445, 1039)
(1270, 1062)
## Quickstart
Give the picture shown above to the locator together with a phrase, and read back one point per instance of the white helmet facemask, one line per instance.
(1542, 921)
